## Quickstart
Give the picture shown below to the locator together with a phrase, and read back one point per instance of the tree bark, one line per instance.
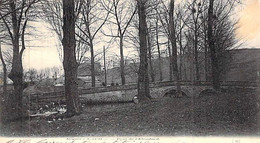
(170, 61)
(122, 27)
(4, 70)
(2, 96)
(143, 79)
(181, 55)
(181, 63)
(196, 52)
(16, 73)
(150, 56)
(92, 62)
(173, 40)
(122, 61)
(91, 46)
(211, 43)
(69, 62)
(206, 53)
(207, 63)
(158, 49)
(174, 46)
(105, 66)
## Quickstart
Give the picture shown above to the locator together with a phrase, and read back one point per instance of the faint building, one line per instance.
(236, 65)
(244, 65)
(61, 82)
(84, 70)
(84, 74)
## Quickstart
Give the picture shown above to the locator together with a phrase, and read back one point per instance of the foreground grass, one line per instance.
(233, 112)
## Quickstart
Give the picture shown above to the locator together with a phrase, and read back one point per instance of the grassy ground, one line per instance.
(233, 112)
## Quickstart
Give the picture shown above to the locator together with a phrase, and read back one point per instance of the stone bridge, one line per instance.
(128, 92)
(157, 90)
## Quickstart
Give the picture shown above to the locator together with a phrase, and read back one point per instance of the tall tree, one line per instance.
(123, 13)
(4, 69)
(170, 59)
(91, 21)
(196, 8)
(52, 14)
(180, 38)
(16, 22)
(167, 19)
(174, 45)
(158, 47)
(69, 62)
(223, 36)
(213, 52)
(224, 33)
(149, 42)
(143, 79)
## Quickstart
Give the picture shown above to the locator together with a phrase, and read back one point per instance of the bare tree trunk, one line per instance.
(196, 52)
(122, 61)
(2, 96)
(173, 40)
(160, 63)
(92, 62)
(16, 74)
(14, 102)
(181, 55)
(122, 25)
(185, 67)
(5, 71)
(181, 63)
(105, 66)
(207, 63)
(174, 46)
(170, 61)
(206, 53)
(88, 20)
(143, 79)
(158, 49)
(214, 60)
(69, 62)
(150, 56)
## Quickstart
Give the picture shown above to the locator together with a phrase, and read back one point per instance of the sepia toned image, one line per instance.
(144, 70)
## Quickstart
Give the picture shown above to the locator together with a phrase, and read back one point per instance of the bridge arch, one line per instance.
(189, 91)
(184, 91)
(205, 90)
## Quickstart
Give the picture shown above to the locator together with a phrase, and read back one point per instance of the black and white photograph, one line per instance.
(129, 71)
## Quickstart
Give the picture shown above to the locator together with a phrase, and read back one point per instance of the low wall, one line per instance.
(127, 92)
(110, 96)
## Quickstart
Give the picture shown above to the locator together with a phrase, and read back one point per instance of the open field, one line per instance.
(233, 112)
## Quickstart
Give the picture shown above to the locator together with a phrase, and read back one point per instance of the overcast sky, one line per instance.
(46, 54)
(42, 52)
(249, 24)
